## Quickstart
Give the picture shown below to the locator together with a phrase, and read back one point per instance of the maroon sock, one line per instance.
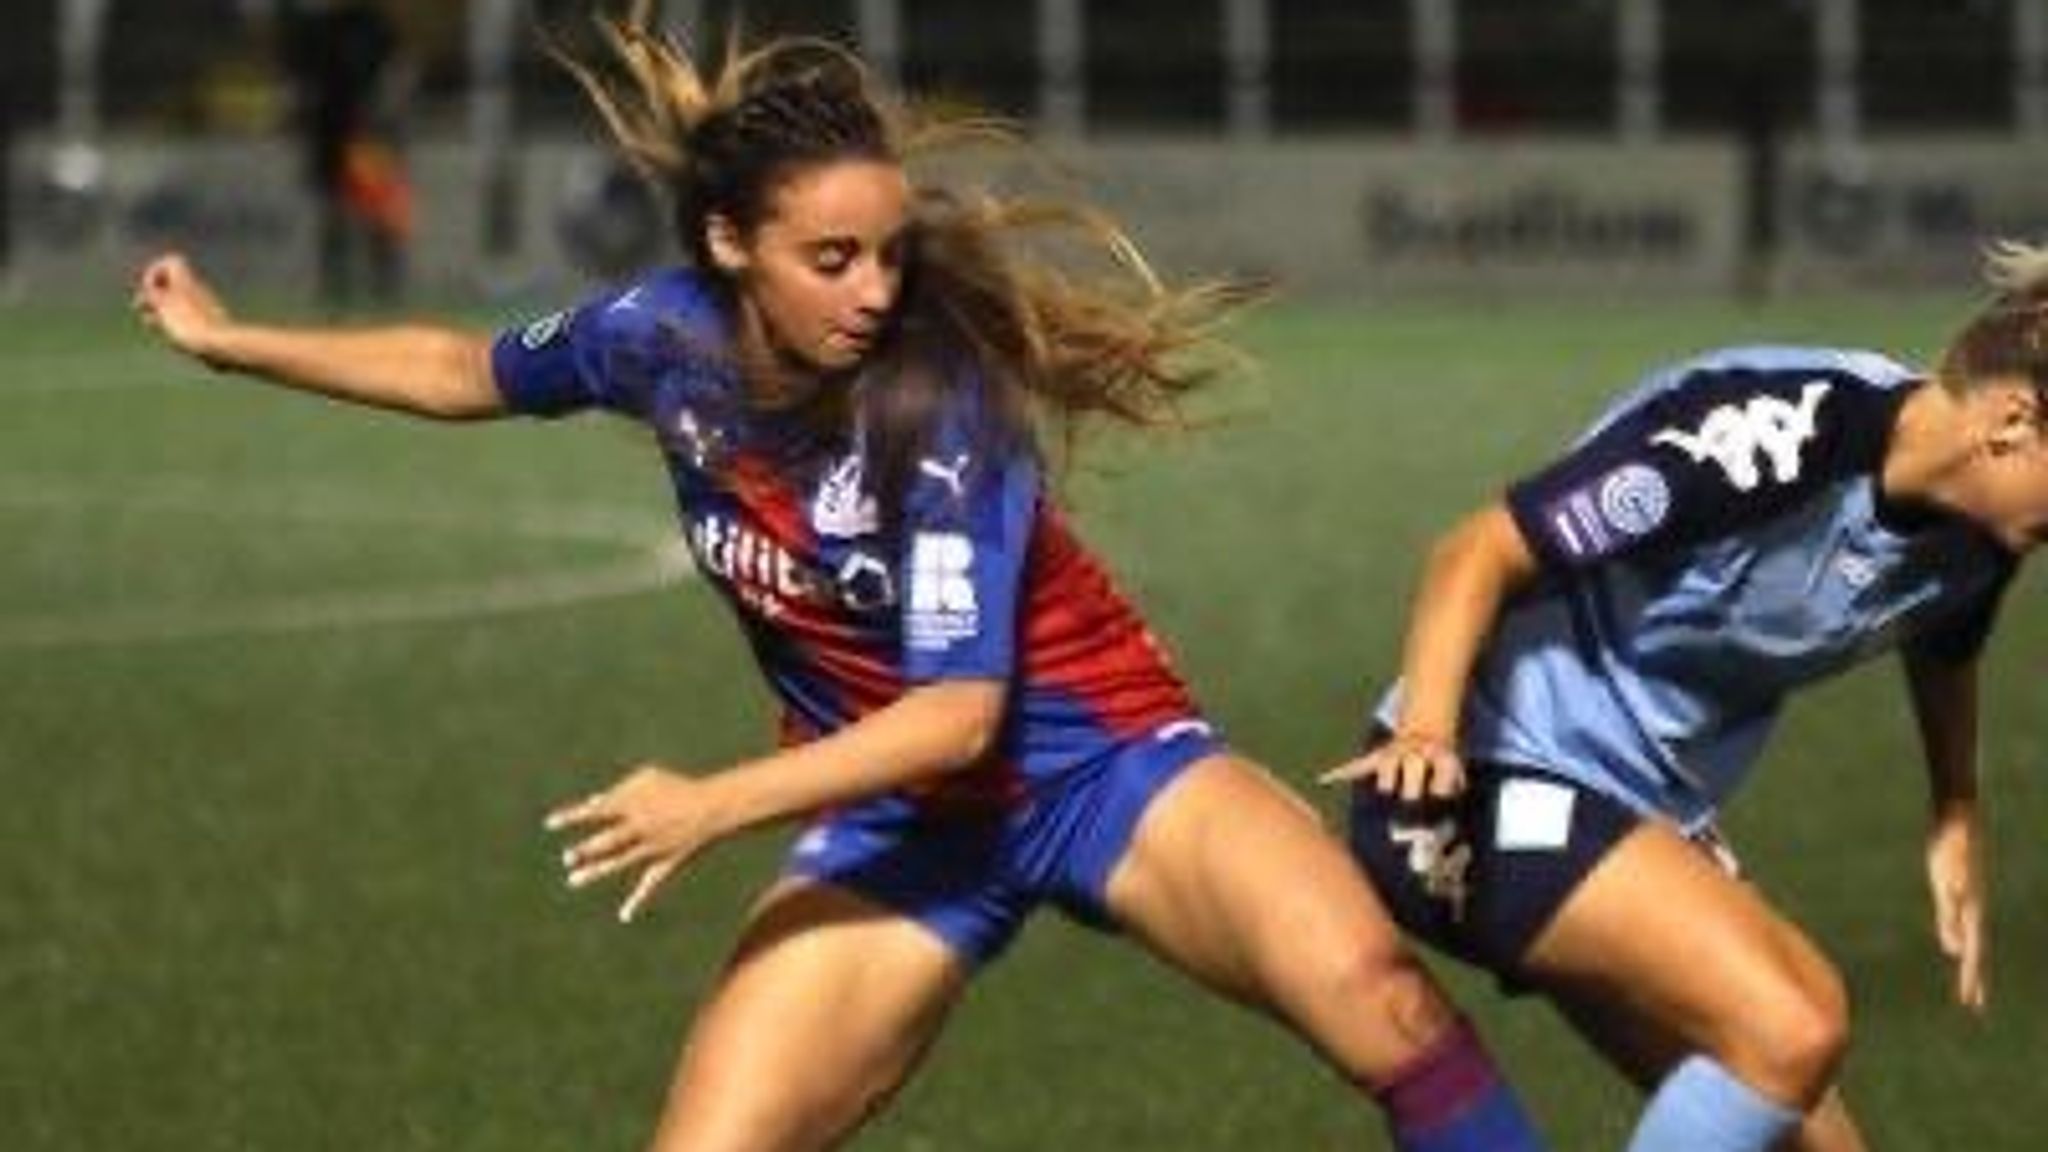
(1448, 1077)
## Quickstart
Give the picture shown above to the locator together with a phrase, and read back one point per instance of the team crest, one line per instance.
(843, 508)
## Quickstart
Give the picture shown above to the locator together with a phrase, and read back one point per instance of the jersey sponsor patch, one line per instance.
(1741, 439)
(1634, 499)
(1532, 816)
(941, 605)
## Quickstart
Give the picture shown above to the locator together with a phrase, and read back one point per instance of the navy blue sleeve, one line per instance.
(1721, 450)
(1959, 638)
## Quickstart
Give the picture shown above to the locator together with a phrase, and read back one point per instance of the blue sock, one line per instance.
(1702, 1107)
(1452, 1099)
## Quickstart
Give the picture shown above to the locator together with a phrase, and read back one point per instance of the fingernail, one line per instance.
(568, 858)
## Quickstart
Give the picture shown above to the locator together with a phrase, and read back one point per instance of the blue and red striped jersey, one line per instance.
(982, 579)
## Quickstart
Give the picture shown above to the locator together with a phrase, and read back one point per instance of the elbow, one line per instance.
(464, 386)
(1488, 542)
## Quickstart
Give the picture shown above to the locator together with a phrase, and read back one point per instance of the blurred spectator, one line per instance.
(351, 82)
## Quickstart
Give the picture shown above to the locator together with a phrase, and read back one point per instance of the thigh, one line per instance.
(1232, 878)
(1669, 940)
(825, 1008)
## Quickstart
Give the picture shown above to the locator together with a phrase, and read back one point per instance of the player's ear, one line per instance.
(2015, 419)
(722, 239)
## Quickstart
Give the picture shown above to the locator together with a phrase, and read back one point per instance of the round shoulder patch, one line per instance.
(1634, 499)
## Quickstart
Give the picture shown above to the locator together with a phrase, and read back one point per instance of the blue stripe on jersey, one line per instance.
(1716, 541)
(841, 615)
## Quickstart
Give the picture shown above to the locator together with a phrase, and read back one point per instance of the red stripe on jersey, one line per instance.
(1080, 635)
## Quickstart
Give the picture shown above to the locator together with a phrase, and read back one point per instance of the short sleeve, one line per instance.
(1724, 451)
(599, 354)
(969, 514)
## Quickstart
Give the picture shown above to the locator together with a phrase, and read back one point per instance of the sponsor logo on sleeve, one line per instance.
(1634, 499)
(544, 331)
(940, 603)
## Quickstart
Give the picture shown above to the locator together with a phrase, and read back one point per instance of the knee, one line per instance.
(1379, 1009)
(1792, 1043)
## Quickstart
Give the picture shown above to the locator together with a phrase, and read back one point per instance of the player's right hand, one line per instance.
(172, 298)
(1413, 766)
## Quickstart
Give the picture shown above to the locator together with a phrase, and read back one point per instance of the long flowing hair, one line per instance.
(1045, 307)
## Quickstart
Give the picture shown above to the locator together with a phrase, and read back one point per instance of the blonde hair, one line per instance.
(2009, 336)
(1055, 307)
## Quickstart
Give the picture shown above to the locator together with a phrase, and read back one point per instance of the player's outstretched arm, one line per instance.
(424, 370)
(655, 818)
(1472, 571)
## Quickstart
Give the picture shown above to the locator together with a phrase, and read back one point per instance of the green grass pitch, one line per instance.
(284, 690)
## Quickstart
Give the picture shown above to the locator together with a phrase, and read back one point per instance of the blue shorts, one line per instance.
(973, 878)
(1481, 875)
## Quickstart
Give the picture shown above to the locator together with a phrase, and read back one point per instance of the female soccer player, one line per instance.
(843, 383)
(1604, 651)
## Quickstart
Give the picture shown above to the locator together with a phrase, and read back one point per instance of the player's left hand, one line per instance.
(1955, 878)
(654, 819)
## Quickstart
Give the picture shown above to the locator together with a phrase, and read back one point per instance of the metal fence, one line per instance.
(1636, 69)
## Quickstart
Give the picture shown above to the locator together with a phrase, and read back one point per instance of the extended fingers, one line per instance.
(592, 808)
(643, 888)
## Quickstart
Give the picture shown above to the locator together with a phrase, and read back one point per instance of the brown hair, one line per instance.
(986, 306)
(2009, 336)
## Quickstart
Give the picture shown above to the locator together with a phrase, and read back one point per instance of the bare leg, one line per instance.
(826, 1008)
(1690, 960)
(1232, 879)
(1645, 1053)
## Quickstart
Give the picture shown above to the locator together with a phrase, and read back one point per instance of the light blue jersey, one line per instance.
(1716, 541)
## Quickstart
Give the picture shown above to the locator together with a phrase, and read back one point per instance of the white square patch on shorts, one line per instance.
(1532, 815)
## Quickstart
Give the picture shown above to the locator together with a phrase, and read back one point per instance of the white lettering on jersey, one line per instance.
(766, 576)
(1439, 858)
(843, 509)
(941, 603)
(953, 473)
(627, 301)
(1733, 435)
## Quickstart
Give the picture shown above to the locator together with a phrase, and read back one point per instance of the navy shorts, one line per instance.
(973, 878)
(1481, 875)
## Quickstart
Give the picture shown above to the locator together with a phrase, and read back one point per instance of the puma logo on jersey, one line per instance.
(952, 474)
(1742, 438)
